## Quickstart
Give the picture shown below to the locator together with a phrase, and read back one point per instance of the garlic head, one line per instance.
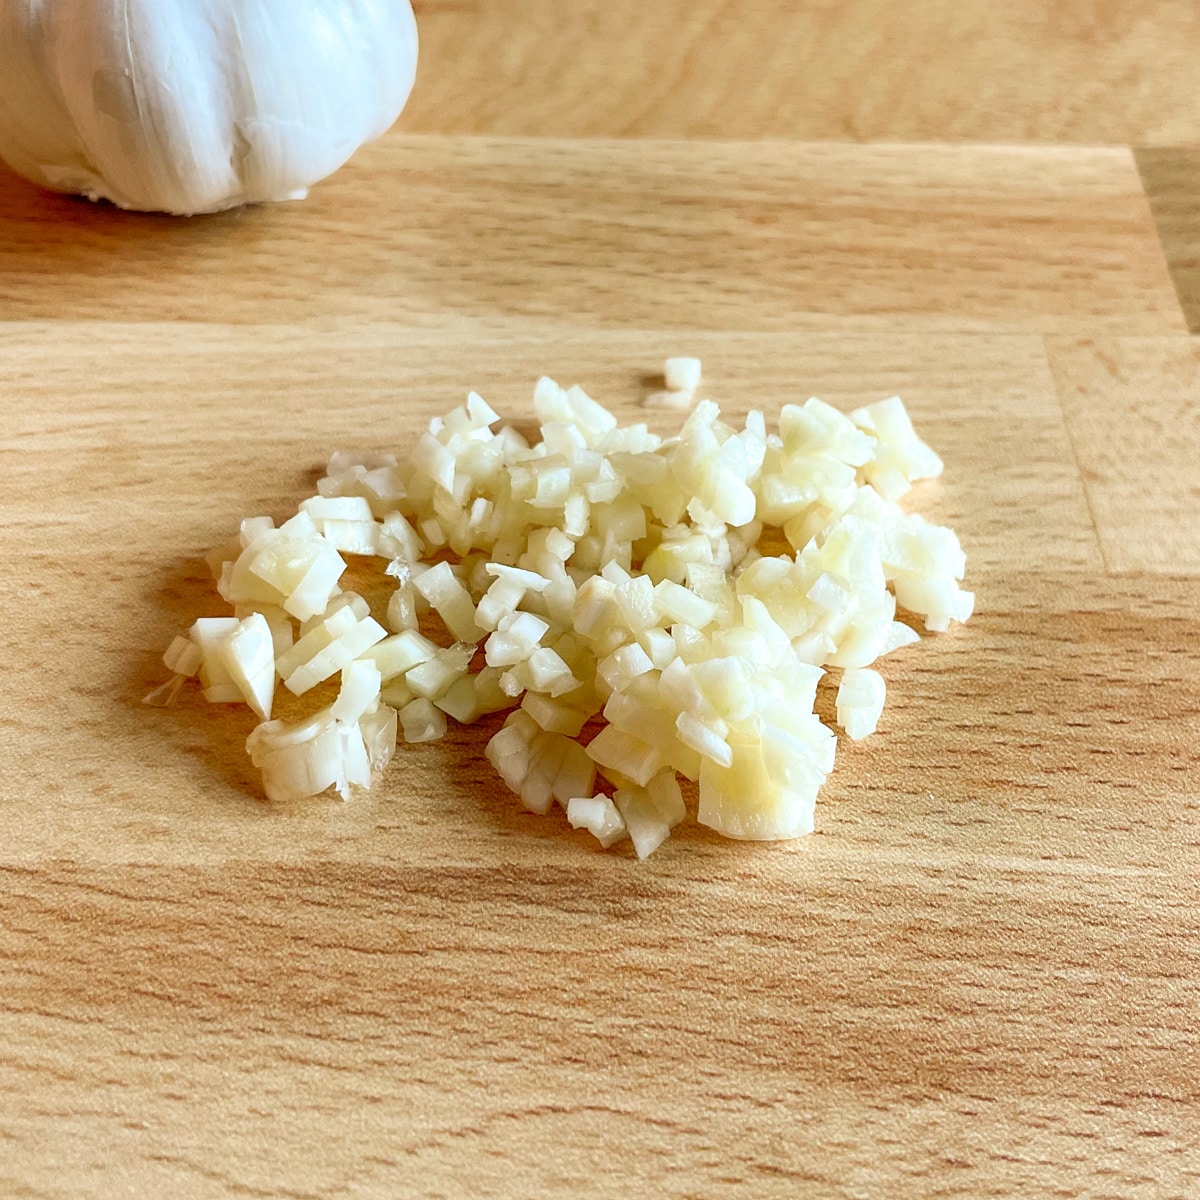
(192, 106)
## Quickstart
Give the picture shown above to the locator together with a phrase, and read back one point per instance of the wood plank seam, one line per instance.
(1076, 460)
(720, 235)
(1171, 181)
(1130, 406)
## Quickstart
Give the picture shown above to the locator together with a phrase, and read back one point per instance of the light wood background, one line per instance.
(978, 978)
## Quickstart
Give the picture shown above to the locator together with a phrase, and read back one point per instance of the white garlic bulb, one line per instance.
(191, 106)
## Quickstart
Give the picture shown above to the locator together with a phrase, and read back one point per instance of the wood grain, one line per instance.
(1121, 71)
(587, 234)
(1130, 405)
(993, 1029)
(977, 978)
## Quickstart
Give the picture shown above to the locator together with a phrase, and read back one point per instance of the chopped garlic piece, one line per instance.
(624, 665)
(248, 655)
(293, 567)
(323, 652)
(337, 508)
(860, 698)
(516, 638)
(625, 755)
(462, 702)
(352, 537)
(219, 687)
(340, 620)
(647, 827)
(308, 757)
(183, 657)
(399, 653)
(682, 374)
(554, 716)
(490, 697)
(703, 739)
(421, 721)
(667, 797)
(398, 539)
(359, 693)
(599, 816)
(378, 729)
(450, 598)
(769, 792)
(298, 761)
(396, 693)
(508, 749)
(435, 676)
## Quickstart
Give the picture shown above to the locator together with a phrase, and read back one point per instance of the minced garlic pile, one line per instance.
(648, 607)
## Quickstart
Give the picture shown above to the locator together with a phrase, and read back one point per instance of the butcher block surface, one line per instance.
(980, 976)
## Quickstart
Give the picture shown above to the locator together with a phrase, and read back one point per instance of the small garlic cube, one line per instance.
(860, 698)
(682, 374)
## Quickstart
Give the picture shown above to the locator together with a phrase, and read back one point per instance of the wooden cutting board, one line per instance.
(978, 977)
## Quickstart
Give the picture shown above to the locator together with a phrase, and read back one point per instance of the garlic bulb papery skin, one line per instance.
(193, 106)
